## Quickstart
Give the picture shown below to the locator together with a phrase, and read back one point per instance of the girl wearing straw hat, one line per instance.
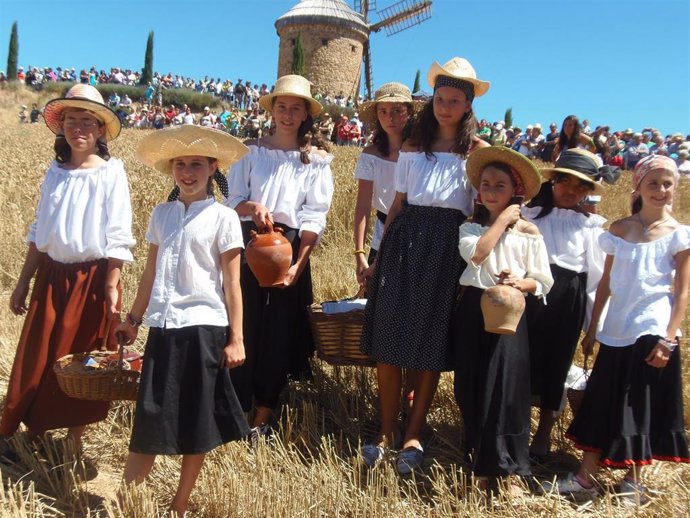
(285, 181)
(492, 386)
(77, 246)
(632, 409)
(412, 289)
(571, 235)
(190, 294)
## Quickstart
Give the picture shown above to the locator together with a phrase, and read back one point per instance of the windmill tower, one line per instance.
(335, 39)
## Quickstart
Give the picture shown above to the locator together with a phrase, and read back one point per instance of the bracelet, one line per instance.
(670, 345)
(360, 252)
(132, 321)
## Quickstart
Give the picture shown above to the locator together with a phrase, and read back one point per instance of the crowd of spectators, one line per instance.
(242, 116)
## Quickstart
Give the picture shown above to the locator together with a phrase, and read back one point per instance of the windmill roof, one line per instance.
(335, 12)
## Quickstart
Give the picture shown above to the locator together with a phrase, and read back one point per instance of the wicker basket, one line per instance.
(575, 396)
(337, 337)
(98, 384)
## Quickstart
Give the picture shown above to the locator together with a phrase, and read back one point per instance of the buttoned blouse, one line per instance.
(523, 254)
(84, 214)
(297, 195)
(641, 283)
(437, 181)
(188, 287)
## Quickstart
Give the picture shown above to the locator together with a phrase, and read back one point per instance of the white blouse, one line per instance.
(523, 254)
(188, 287)
(572, 242)
(439, 181)
(641, 285)
(297, 195)
(84, 214)
(382, 173)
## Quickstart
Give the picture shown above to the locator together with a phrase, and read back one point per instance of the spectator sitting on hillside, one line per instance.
(586, 129)
(683, 163)
(658, 146)
(21, 76)
(23, 115)
(325, 127)
(188, 117)
(498, 135)
(207, 119)
(35, 113)
(126, 101)
(635, 151)
(114, 100)
(484, 131)
(676, 142)
(550, 140)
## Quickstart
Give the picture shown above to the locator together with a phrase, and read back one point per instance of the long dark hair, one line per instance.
(565, 142)
(381, 141)
(307, 135)
(63, 153)
(426, 125)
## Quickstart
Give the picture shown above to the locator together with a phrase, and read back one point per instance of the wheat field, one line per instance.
(313, 469)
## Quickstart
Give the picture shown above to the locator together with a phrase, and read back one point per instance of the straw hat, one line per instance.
(387, 93)
(157, 149)
(294, 86)
(579, 163)
(523, 166)
(458, 68)
(85, 97)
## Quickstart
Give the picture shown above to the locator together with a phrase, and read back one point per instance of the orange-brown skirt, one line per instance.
(67, 314)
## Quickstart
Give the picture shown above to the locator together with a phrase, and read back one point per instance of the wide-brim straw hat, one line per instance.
(523, 166)
(157, 149)
(84, 97)
(294, 86)
(387, 93)
(458, 68)
(583, 160)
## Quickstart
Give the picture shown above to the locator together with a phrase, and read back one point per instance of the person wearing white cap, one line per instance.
(635, 151)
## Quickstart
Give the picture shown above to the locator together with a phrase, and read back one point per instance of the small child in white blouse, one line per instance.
(492, 378)
(632, 410)
(77, 246)
(190, 291)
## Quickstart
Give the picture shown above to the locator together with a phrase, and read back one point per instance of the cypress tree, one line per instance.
(12, 54)
(147, 71)
(298, 57)
(417, 82)
(508, 118)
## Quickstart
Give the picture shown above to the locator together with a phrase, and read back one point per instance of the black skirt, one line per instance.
(413, 289)
(277, 333)
(632, 413)
(554, 331)
(186, 403)
(492, 390)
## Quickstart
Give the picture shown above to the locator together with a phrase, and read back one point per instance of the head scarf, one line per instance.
(647, 165)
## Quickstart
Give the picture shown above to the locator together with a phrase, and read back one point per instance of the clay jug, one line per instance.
(269, 256)
(502, 307)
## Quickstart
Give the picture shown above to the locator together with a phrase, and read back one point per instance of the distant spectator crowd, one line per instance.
(241, 116)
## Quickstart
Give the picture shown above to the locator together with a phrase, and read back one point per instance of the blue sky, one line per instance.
(620, 62)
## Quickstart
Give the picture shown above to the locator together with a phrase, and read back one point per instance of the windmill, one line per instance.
(393, 19)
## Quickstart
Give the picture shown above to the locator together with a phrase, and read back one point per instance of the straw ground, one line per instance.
(313, 470)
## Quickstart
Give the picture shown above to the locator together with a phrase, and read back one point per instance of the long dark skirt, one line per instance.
(554, 331)
(413, 289)
(67, 315)
(186, 403)
(632, 413)
(277, 334)
(492, 390)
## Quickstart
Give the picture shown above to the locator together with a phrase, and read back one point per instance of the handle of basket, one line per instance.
(121, 351)
(361, 292)
(585, 366)
(104, 342)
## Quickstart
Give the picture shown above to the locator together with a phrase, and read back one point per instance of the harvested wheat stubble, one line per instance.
(313, 471)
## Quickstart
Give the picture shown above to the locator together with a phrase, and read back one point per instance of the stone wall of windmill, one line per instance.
(332, 55)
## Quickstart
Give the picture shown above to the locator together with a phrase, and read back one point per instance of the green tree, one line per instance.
(12, 54)
(298, 66)
(508, 118)
(147, 71)
(417, 82)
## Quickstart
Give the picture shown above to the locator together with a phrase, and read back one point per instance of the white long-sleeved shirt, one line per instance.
(84, 214)
(297, 195)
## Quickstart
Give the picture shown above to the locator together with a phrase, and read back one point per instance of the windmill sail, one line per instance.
(402, 15)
